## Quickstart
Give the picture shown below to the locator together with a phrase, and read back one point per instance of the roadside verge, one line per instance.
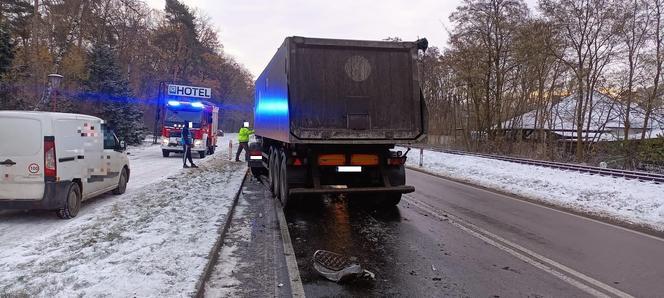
(154, 242)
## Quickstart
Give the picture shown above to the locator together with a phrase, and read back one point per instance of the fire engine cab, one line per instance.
(203, 119)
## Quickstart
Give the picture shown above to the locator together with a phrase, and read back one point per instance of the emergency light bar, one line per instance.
(196, 104)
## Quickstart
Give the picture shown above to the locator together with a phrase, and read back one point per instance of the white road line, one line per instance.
(297, 290)
(522, 253)
(478, 187)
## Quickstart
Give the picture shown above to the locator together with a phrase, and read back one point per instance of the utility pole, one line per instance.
(54, 80)
(157, 113)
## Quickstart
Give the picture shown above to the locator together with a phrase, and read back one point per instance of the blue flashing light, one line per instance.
(197, 104)
(272, 106)
(173, 103)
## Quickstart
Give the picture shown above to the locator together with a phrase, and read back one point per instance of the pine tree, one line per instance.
(6, 50)
(6, 57)
(113, 96)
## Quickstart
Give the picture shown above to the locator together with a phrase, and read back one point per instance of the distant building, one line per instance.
(607, 121)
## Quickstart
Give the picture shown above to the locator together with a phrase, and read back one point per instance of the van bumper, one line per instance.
(55, 196)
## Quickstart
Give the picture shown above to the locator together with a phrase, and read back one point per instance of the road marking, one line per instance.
(297, 290)
(541, 262)
(478, 187)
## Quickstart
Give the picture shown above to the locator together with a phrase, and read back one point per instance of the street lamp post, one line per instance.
(55, 79)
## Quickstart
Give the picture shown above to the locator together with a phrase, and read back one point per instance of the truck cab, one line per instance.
(202, 116)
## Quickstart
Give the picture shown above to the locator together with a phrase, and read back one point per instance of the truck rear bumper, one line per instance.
(55, 195)
(391, 189)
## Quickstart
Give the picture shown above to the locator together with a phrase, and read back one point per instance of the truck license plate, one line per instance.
(349, 169)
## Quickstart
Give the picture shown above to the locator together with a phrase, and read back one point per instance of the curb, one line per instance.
(213, 256)
(297, 289)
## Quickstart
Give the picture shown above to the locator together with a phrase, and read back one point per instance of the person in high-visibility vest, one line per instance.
(243, 138)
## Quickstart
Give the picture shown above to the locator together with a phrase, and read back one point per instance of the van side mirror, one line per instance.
(121, 146)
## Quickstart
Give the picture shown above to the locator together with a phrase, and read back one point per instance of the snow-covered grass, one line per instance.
(626, 200)
(152, 241)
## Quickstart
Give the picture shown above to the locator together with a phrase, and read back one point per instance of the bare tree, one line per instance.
(657, 36)
(587, 29)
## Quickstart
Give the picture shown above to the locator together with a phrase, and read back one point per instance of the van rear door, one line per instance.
(21, 158)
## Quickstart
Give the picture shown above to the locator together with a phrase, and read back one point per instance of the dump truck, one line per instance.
(327, 116)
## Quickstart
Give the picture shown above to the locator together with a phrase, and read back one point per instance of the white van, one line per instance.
(53, 161)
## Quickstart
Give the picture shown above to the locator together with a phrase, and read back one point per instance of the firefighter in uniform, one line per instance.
(243, 138)
(186, 146)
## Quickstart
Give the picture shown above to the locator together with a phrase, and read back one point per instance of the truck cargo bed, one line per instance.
(340, 91)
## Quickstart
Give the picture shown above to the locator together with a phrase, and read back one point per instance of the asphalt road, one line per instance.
(451, 239)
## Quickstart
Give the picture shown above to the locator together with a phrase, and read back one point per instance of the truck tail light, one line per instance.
(396, 161)
(296, 161)
(255, 155)
(364, 159)
(331, 159)
(50, 166)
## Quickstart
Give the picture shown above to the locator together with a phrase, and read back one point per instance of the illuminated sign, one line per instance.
(189, 91)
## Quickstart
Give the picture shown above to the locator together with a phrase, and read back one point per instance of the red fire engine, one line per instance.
(203, 119)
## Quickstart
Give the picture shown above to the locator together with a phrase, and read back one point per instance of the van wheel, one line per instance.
(72, 204)
(165, 153)
(201, 153)
(122, 183)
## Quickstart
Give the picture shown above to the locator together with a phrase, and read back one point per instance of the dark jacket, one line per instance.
(186, 136)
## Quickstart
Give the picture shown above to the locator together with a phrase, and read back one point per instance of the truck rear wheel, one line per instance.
(272, 173)
(283, 182)
(72, 204)
(165, 153)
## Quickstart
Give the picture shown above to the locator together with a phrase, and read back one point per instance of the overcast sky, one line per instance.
(252, 30)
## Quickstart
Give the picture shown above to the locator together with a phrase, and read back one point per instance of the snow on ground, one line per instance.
(149, 166)
(625, 200)
(152, 241)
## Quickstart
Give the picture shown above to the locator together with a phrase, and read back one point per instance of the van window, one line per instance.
(20, 137)
(109, 138)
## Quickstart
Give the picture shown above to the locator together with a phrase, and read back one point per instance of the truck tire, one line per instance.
(201, 154)
(283, 182)
(277, 173)
(122, 183)
(72, 204)
(270, 171)
(165, 153)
